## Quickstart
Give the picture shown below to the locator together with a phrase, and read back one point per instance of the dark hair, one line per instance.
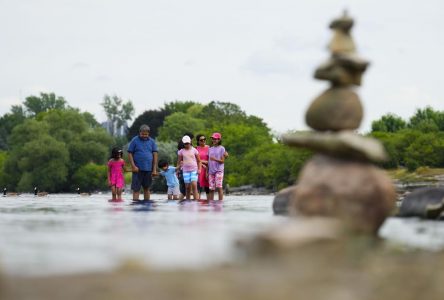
(199, 136)
(220, 142)
(116, 153)
(162, 163)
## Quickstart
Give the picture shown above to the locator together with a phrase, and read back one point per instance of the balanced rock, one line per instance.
(335, 109)
(424, 203)
(357, 193)
(343, 144)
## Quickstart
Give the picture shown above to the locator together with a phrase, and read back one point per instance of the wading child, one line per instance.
(116, 167)
(142, 154)
(190, 162)
(169, 172)
(217, 155)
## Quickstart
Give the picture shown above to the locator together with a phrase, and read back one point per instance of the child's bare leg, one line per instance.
(194, 187)
(146, 193)
(188, 191)
(113, 192)
(135, 195)
(175, 197)
(119, 193)
(170, 196)
(211, 195)
(220, 193)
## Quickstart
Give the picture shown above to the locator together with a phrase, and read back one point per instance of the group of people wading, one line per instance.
(199, 169)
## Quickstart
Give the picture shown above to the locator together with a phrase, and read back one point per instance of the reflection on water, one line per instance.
(68, 233)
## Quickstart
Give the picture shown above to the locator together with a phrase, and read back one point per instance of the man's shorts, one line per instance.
(188, 177)
(141, 179)
(173, 190)
(215, 180)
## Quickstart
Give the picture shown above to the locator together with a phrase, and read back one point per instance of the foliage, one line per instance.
(153, 118)
(388, 123)
(90, 177)
(46, 151)
(8, 122)
(117, 111)
(46, 102)
(420, 143)
(176, 124)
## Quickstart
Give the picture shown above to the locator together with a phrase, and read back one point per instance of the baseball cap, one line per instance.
(186, 139)
(216, 135)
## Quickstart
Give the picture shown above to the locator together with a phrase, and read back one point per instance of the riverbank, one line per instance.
(357, 269)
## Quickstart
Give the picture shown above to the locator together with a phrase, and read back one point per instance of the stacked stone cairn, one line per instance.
(340, 181)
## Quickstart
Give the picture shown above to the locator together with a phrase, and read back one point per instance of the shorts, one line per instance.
(188, 177)
(215, 180)
(173, 190)
(141, 179)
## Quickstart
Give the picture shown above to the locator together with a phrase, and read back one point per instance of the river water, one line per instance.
(65, 233)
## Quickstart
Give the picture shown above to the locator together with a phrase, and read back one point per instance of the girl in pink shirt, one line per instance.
(190, 162)
(116, 181)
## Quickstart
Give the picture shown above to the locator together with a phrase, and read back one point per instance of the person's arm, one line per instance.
(134, 168)
(179, 163)
(199, 163)
(154, 173)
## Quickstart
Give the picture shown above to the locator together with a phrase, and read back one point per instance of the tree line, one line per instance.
(47, 143)
(412, 143)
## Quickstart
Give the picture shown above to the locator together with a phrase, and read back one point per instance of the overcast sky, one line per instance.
(258, 54)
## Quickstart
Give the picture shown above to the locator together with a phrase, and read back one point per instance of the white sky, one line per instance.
(258, 54)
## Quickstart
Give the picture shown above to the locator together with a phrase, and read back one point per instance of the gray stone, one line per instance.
(335, 109)
(282, 200)
(424, 203)
(344, 144)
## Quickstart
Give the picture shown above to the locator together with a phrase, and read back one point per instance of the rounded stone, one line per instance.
(358, 193)
(282, 199)
(338, 108)
(425, 202)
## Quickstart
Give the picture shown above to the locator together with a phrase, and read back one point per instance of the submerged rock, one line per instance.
(358, 193)
(424, 203)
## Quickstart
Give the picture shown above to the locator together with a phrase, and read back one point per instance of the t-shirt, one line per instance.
(170, 176)
(214, 166)
(142, 151)
(189, 163)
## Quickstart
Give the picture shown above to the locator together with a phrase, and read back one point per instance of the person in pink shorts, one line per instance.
(116, 166)
(217, 155)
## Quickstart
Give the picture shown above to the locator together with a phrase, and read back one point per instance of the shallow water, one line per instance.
(69, 233)
(66, 233)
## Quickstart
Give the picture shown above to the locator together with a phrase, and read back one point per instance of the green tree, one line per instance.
(117, 111)
(178, 106)
(176, 124)
(90, 177)
(8, 122)
(35, 104)
(388, 123)
(43, 163)
(427, 119)
(153, 118)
